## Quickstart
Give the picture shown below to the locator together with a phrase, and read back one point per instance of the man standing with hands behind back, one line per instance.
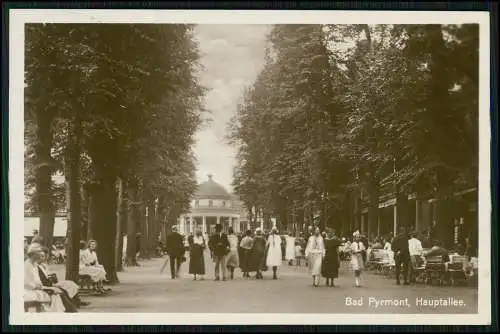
(175, 250)
(401, 255)
(220, 246)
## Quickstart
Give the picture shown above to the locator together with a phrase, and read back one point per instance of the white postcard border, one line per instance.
(18, 17)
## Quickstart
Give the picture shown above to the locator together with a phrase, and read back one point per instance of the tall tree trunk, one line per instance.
(132, 210)
(143, 223)
(152, 226)
(43, 182)
(90, 208)
(373, 199)
(119, 229)
(102, 216)
(159, 218)
(85, 213)
(73, 196)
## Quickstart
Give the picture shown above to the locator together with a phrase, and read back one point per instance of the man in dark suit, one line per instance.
(401, 255)
(220, 247)
(176, 251)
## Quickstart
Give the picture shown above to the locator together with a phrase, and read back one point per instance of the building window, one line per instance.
(196, 203)
(210, 204)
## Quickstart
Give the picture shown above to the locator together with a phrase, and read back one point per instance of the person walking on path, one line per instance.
(220, 246)
(290, 248)
(257, 258)
(233, 260)
(356, 249)
(274, 254)
(331, 262)
(401, 251)
(416, 251)
(246, 247)
(175, 251)
(196, 255)
(315, 251)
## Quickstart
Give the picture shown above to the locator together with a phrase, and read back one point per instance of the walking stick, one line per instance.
(164, 266)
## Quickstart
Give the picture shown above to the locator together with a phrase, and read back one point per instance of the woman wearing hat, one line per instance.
(331, 261)
(274, 253)
(356, 249)
(257, 259)
(34, 292)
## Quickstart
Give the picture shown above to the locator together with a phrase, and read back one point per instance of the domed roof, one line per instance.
(211, 190)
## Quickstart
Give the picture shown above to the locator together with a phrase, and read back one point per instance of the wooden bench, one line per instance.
(435, 269)
(86, 284)
(455, 270)
(33, 307)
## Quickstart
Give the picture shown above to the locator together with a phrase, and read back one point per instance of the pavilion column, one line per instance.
(218, 219)
(237, 223)
(190, 224)
(182, 224)
(204, 225)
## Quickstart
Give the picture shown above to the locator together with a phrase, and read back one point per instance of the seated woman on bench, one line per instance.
(70, 289)
(89, 265)
(48, 299)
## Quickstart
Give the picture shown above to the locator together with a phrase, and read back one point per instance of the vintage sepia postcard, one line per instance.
(249, 167)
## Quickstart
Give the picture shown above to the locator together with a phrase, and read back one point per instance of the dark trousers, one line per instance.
(405, 262)
(175, 265)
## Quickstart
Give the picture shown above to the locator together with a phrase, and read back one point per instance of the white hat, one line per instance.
(34, 248)
(258, 229)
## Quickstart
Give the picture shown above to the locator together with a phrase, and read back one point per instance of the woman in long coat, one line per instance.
(257, 260)
(274, 254)
(331, 262)
(196, 255)
(315, 251)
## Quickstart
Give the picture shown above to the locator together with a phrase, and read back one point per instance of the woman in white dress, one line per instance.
(290, 248)
(233, 260)
(274, 256)
(34, 292)
(356, 250)
(315, 251)
(89, 265)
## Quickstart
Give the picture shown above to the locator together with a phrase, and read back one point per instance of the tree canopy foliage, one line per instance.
(339, 106)
(117, 102)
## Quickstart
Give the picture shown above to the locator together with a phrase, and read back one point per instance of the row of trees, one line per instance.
(113, 108)
(337, 108)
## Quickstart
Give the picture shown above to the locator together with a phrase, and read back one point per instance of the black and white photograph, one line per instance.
(232, 167)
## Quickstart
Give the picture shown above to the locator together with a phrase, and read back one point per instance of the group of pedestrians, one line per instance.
(256, 253)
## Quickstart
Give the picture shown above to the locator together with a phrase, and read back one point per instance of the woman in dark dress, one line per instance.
(331, 262)
(196, 255)
(257, 261)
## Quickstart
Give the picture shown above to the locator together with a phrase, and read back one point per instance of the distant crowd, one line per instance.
(321, 251)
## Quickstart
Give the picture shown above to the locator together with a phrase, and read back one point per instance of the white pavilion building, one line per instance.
(213, 204)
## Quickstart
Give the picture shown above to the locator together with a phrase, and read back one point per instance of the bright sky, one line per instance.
(232, 56)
